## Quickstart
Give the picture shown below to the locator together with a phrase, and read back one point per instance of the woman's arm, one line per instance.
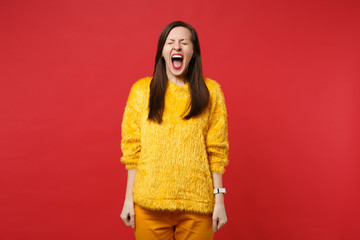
(128, 214)
(131, 147)
(219, 213)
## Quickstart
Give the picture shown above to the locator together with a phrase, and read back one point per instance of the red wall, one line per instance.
(290, 74)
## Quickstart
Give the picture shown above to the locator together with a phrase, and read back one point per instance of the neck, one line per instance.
(177, 80)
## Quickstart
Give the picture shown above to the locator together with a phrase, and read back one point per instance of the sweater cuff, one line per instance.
(130, 162)
(217, 164)
(130, 166)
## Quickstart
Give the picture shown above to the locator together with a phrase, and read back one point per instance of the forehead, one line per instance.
(179, 33)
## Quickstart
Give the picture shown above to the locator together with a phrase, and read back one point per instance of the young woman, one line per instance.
(175, 146)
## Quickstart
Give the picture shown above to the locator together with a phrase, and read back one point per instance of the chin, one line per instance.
(178, 74)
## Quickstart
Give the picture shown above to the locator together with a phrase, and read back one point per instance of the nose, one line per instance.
(177, 46)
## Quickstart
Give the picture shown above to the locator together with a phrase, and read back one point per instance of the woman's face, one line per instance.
(177, 52)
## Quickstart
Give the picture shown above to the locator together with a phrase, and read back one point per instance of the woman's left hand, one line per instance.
(219, 216)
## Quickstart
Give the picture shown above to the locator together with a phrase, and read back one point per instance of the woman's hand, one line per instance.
(219, 216)
(219, 213)
(128, 214)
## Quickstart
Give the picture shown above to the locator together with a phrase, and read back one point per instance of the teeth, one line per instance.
(176, 56)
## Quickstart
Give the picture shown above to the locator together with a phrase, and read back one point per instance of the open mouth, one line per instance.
(177, 60)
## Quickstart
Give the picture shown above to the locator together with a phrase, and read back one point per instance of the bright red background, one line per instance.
(290, 74)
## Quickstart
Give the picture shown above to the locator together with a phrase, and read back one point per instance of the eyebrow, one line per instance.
(183, 39)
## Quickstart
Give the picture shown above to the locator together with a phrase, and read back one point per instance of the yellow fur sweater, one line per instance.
(174, 159)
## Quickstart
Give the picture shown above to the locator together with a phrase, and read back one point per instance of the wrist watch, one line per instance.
(219, 190)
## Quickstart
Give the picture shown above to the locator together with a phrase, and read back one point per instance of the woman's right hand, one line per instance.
(128, 214)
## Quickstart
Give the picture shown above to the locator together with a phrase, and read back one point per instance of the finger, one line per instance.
(220, 224)
(126, 220)
(123, 217)
(215, 223)
(132, 220)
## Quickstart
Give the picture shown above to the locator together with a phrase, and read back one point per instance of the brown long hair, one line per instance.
(199, 92)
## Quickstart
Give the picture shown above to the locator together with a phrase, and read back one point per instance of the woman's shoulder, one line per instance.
(213, 86)
(217, 98)
(140, 89)
(142, 84)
